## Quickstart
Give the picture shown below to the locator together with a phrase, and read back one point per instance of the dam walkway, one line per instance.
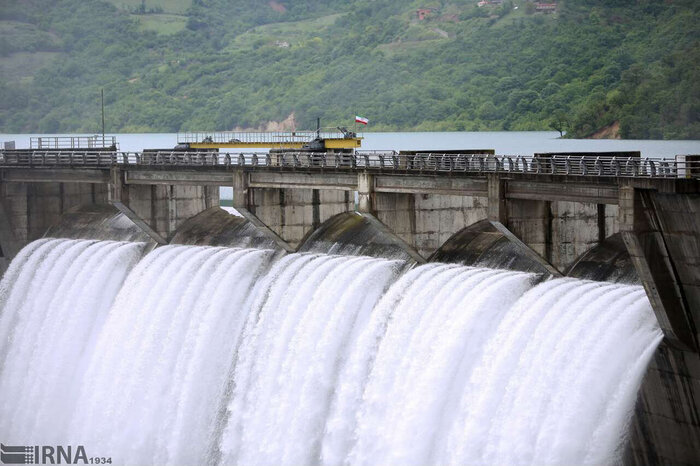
(382, 161)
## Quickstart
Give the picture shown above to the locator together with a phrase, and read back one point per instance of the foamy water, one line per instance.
(194, 355)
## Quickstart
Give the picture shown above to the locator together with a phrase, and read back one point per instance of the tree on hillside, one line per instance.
(559, 122)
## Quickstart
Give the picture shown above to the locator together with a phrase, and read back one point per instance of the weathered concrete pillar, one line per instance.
(9, 243)
(644, 239)
(499, 213)
(601, 222)
(367, 205)
(117, 190)
(666, 424)
(29, 209)
(162, 207)
(118, 196)
(293, 213)
(366, 195)
(398, 211)
(497, 208)
(243, 203)
(170, 199)
(16, 206)
(666, 237)
(578, 227)
(315, 209)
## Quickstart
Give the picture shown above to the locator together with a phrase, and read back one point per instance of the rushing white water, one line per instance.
(288, 363)
(229, 356)
(54, 299)
(161, 362)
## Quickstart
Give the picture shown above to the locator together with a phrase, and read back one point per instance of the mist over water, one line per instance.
(199, 355)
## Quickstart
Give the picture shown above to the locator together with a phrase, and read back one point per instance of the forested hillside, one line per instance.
(169, 65)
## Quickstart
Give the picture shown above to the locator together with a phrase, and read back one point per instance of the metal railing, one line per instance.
(61, 158)
(379, 161)
(73, 142)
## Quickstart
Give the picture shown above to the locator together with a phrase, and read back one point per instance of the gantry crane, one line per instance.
(337, 139)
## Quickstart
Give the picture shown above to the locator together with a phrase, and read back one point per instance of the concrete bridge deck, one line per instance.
(556, 178)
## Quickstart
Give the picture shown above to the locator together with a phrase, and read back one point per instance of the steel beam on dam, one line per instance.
(554, 208)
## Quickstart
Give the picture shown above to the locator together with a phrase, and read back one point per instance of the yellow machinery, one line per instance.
(334, 139)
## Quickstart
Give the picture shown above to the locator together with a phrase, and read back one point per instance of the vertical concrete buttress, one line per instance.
(365, 192)
(367, 206)
(243, 203)
(497, 208)
(8, 240)
(531, 227)
(646, 245)
(662, 235)
(118, 196)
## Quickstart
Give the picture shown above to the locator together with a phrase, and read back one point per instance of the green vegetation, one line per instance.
(220, 64)
(291, 32)
(162, 23)
(179, 7)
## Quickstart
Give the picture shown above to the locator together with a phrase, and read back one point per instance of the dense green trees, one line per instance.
(591, 64)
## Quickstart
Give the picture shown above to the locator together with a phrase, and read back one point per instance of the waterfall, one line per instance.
(202, 355)
(162, 359)
(54, 299)
(291, 353)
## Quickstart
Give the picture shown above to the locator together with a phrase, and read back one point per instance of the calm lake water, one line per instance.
(504, 142)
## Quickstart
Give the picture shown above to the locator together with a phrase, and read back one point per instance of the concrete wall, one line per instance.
(666, 425)
(679, 220)
(29, 209)
(33, 207)
(166, 207)
(559, 231)
(662, 235)
(294, 213)
(426, 221)
(576, 229)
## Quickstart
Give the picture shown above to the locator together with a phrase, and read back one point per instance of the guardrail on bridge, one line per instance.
(381, 161)
(73, 142)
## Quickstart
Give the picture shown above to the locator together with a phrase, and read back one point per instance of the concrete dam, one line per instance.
(366, 308)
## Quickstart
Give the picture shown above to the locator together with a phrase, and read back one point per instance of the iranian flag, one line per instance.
(359, 119)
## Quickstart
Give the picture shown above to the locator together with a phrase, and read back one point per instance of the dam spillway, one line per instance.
(205, 355)
(607, 217)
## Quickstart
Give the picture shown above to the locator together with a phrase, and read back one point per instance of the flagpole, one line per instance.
(102, 99)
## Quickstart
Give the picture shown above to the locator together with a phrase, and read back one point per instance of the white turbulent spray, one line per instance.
(159, 369)
(557, 381)
(436, 331)
(53, 300)
(213, 355)
(292, 352)
(341, 422)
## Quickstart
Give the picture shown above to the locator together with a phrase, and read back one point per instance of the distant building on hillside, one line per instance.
(545, 7)
(489, 2)
(423, 13)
